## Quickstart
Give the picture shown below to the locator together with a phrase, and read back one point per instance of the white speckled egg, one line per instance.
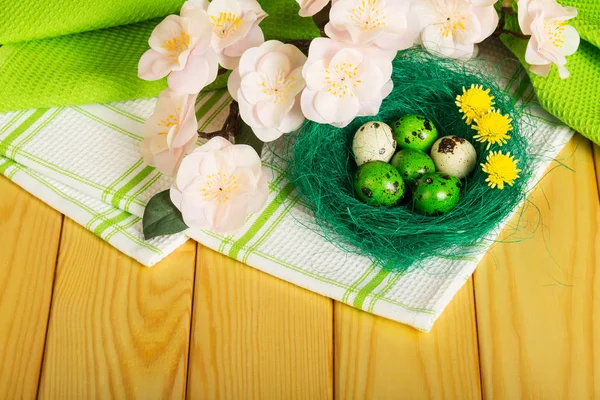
(374, 141)
(454, 155)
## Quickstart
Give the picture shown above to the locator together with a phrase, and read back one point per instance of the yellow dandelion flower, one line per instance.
(492, 128)
(501, 169)
(475, 102)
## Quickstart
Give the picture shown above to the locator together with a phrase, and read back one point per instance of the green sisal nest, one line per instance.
(320, 164)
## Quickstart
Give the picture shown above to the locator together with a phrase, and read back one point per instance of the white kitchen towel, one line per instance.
(84, 161)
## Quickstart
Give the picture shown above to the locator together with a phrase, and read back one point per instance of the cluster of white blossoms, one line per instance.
(552, 40)
(345, 75)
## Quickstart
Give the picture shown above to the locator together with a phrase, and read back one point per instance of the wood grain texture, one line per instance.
(257, 337)
(117, 329)
(596, 149)
(376, 358)
(29, 239)
(538, 311)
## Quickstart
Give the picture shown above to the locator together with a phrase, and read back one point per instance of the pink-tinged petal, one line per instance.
(258, 200)
(189, 169)
(532, 55)
(253, 6)
(191, 7)
(524, 16)
(182, 60)
(571, 43)
(200, 28)
(312, 8)
(230, 57)
(230, 217)
(168, 29)
(488, 20)
(267, 135)
(371, 107)
(171, 134)
(308, 108)
(541, 70)
(297, 82)
(254, 38)
(248, 112)
(146, 152)
(339, 35)
(387, 89)
(214, 144)
(293, 119)
(251, 56)
(234, 82)
(271, 112)
(254, 88)
(176, 196)
(154, 65)
(393, 41)
(435, 42)
(158, 144)
(563, 72)
(336, 109)
(472, 33)
(340, 12)
(552, 10)
(193, 211)
(200, 71)
(274, 64)
(315, 74)
(368, 81)
(247, 158)
(323, 49)
(188, 130)
(167, 162)
(463, 51)
(296, 57)
(218, 8)
(346, 56)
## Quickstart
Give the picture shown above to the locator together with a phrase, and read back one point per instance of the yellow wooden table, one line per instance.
(80, 320)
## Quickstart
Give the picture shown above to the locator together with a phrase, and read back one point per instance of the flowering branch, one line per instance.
(230, 127)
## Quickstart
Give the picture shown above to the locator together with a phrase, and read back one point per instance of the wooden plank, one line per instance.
(117, 329)
(29, 239)
(255, 336)
(537, 309)
(597, 164)
(376, 358)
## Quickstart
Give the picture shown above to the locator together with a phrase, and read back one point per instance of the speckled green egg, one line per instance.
(379, 184)
(436, 193)
(412, 164)
(415, 131)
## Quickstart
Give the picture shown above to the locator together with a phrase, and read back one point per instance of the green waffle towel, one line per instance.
(80, 52)
(575, 100)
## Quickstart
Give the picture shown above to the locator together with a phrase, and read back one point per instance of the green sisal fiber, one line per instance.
(319, 163)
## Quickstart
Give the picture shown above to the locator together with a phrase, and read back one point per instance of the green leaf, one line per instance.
(247, 136)
(161, 217)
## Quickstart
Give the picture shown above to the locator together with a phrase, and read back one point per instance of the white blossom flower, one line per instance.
(170, 132)
(267, 86)
(234, 25)
(308, 8)
(552, 40)
(181, 46)
(387, 24)
(218, 185)
(453, 27)
(343, 82)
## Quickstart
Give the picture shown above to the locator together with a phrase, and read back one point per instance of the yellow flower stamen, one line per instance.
(501, 169)
(492, 128)
(474, 102)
